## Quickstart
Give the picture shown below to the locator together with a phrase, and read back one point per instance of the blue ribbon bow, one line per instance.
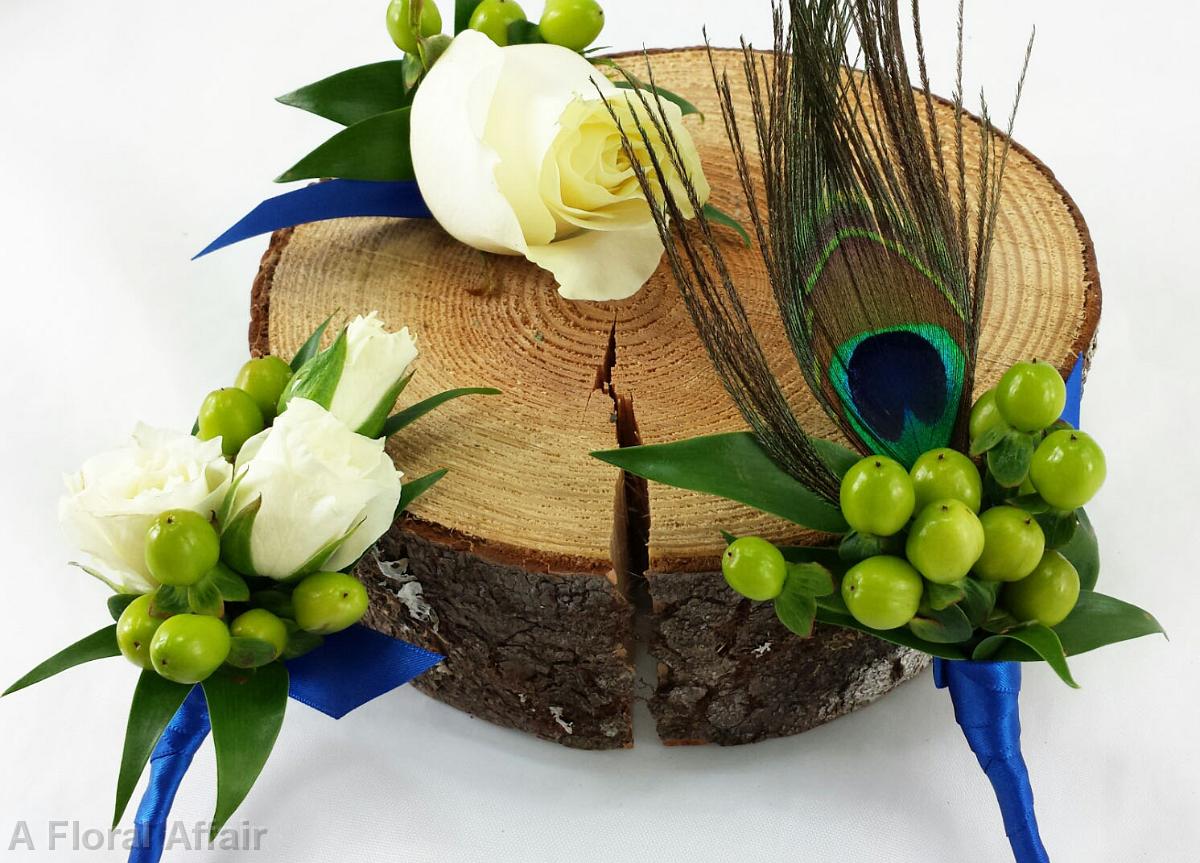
(334, 199)
(985, 697)
(348, 670)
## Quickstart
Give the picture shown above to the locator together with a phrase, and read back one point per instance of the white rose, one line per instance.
(327, 494)
(114, 497)
(516, 153)
(357, 377)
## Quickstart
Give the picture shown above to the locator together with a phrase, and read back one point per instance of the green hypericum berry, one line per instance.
(189, 647)
(232, 415)
(263, 379)
(399, 23)
(877, 496)
(945, 541)
(1013, 544)
(328, 602)
(754, 568)
(135, 630)
(493, 17)
(1031, 396)
(1068, 469)
(181, 546)
(882, 592)
(946, 473)
(261, 624)
(574, 24)
(1046, 595)
(985, 416)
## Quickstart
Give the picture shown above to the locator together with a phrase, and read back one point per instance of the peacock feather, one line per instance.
(875, 241)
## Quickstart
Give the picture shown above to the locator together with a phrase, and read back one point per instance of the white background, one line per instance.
(131, 133)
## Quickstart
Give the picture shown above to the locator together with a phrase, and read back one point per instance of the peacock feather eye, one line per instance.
(901, 388)
(876, 238)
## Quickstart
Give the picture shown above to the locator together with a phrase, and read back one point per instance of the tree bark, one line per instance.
(539, 571)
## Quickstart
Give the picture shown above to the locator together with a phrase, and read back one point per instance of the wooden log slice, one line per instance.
(528, 565)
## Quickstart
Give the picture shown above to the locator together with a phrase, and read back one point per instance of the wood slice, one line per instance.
(528, 565)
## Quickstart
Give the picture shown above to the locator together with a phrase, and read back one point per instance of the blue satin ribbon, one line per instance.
(985, 697)
(169, 761)
(348, 670)
(334, 199)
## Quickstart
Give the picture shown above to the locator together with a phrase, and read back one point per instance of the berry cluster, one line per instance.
(922, 539)
(236, 414)
(180, 630)
(573, 24)
(204, 614)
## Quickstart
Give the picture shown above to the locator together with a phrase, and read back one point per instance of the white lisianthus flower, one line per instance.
(358, 377)
(516, 153)
(319, 495)
(111, 501)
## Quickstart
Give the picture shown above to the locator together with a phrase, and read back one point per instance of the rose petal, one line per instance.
(536, 85)
(601, 265)
(454, 166)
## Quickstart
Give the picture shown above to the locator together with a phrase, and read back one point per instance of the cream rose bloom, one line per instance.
(376, 360)
(111, 501)
(358, 376)
(516, 153)
(319, 483)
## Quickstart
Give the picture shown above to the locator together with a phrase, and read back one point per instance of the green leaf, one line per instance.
(118, 602)
(278, 602)
(414, 412)
(734, 466)
(232, 586)
(1031, 503)
(945, 626)
(322, 554)
(250, 652)
(235, 538)
(1041, 640)
(414, 70)
(810, 578)
(300, 642)
(171, 599)
(225, 514)
(311, 345)
(857, 546)
(1099, 620)
(524, 33)
(824, 555)
(463, 9)
(979, 598)
(155, 701)
(410, 491)
(832, 610)
(1009, 460)
(685, 107)
(355, 94)
(372, 426)
(942, 596)
(1083, 550)
(96, 574)
(101, 644)
(1058, 527)
(317, 379)
(720, 217)
(989, 439)
(373, 149)
(204, 597)
(246, 708)
(796, 609)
